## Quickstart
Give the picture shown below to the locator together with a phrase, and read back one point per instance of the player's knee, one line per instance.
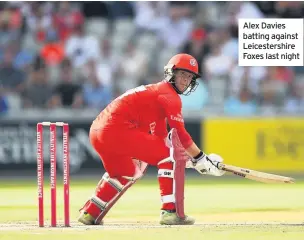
(117, 185)
(165, 165)
(165, 169)
(116, 182)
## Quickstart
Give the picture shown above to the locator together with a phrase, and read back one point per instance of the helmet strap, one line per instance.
(172, 81)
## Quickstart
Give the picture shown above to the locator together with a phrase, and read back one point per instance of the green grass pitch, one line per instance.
(224, 209)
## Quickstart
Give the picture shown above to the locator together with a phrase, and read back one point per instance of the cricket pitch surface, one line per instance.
(239, 210)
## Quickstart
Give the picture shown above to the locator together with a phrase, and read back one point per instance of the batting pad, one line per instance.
(141, 168)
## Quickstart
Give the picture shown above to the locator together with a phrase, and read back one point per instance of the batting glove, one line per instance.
(207, 164)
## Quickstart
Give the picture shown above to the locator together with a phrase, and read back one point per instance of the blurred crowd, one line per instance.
(84, 54)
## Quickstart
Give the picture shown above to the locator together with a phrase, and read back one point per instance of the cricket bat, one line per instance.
(255, 175)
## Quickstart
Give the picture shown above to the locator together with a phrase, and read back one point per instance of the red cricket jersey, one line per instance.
(146, 108)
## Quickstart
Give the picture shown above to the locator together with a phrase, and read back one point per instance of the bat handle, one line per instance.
(220, 165)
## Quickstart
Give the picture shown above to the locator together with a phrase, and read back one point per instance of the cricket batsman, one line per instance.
(131, 133)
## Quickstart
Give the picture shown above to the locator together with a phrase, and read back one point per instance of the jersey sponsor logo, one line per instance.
(178, 118)
(152, 128)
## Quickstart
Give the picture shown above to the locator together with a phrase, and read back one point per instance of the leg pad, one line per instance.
(121, 189)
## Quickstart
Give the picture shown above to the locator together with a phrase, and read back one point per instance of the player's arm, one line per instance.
(172, 110)
(193, 150)
(175, 120)
(203, 163)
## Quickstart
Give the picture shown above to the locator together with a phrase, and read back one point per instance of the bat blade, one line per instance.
(255, 175)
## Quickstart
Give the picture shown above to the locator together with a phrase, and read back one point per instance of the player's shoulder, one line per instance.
(165, 87)
(168, 94)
